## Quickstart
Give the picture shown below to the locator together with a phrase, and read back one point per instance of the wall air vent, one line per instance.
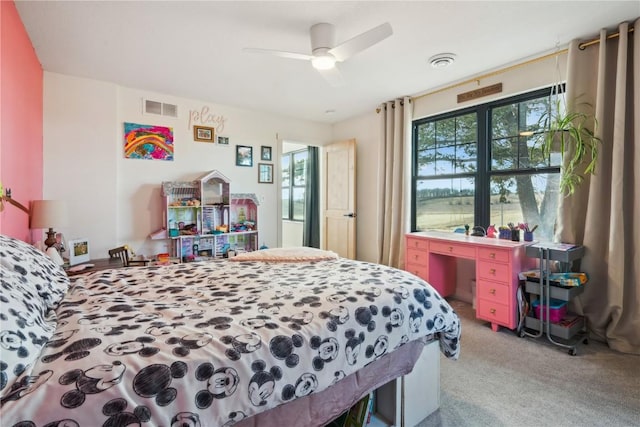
(160, 108)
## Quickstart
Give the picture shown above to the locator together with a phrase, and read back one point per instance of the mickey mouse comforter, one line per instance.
(212, 343)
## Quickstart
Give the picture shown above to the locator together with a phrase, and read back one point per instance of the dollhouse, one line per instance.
(205, 220)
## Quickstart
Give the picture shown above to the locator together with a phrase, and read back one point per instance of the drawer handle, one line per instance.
(450, 248)
(492, 255)
(492, 271)
(416, 256)
(492, 311)
(492, 291)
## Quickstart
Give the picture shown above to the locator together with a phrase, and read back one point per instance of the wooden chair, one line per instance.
(122, 252)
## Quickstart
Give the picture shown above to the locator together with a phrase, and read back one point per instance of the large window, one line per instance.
(477, 166)
(294, 173)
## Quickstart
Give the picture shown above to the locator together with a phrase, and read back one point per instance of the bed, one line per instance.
(271, 339)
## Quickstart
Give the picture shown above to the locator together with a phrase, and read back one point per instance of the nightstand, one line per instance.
(98, 264)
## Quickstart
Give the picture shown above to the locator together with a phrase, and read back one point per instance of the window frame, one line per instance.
(291, 187)
(483, 173)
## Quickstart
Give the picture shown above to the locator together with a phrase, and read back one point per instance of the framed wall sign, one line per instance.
(265, 173)
(265, 153)
(78, 251)
(244, 155)
(204, 134)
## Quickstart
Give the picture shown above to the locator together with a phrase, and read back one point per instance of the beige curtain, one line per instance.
(604, 213)
(395, 131)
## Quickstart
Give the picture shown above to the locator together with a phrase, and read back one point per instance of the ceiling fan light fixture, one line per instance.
(442, 60)
(323, 62)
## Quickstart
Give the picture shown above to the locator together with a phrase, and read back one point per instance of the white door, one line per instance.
(339, 214)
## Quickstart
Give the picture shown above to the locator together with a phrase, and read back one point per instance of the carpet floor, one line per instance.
(501, 379)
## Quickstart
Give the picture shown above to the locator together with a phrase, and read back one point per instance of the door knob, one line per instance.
(350, 215)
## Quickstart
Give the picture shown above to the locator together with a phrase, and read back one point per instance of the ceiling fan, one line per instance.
(325, 53)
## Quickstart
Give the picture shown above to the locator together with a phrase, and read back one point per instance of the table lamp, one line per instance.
(49, 214)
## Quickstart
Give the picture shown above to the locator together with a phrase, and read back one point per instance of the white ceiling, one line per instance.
(194, 49)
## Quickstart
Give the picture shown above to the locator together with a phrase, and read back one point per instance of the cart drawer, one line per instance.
(556, 292)
(559, 330)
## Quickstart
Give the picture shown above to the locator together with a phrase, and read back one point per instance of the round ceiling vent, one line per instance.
(442, 60)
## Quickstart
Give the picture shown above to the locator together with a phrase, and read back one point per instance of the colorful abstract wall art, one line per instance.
(148, 142)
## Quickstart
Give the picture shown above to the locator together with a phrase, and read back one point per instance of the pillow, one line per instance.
(295, 254)
(35, 269)
(24, 328)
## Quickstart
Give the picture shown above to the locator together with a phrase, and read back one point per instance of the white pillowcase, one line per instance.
(292, 254)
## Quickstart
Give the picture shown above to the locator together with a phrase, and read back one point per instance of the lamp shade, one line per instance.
(49, 214)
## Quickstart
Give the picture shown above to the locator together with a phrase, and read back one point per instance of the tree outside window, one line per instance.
(294, 173)
(477, 167)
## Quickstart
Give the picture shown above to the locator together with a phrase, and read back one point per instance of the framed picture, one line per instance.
(265, 153)
(244, 155)
(204, 134)
(223, 140)
(265, 173)
(78, 251)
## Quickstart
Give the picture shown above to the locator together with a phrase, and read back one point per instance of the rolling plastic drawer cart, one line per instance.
(570, 333)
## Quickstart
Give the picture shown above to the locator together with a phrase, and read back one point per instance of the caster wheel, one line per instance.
(573, 352)
(522, 335)
(585, 341)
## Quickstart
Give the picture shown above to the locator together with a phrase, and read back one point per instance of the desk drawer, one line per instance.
(493, 291)
(417, 270)
(493, 271)
(494, 312)
(492, 254)
(417, 257)
(416, 243)
(453, 249)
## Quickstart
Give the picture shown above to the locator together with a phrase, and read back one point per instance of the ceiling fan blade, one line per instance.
(361, 42)
(283, 54)
(333, 76)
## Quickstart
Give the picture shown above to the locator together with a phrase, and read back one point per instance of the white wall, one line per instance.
(519, 79)
(366, 130)
(116, 201)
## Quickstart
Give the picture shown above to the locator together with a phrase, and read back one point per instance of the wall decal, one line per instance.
(205, 117)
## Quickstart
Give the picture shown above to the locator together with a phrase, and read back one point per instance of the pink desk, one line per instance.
(431, 255)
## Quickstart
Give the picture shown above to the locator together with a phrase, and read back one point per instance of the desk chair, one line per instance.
(122, 252)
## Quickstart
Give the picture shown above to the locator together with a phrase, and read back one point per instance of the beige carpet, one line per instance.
(504, 380)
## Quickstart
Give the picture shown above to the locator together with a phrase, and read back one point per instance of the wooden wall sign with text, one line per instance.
(479, 93)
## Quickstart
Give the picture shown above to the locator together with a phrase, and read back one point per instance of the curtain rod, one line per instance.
(477, 79)
(584, 45)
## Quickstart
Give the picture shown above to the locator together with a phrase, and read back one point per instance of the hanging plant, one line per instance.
(569, 133)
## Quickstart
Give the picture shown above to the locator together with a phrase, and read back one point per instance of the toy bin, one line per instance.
(557, 310)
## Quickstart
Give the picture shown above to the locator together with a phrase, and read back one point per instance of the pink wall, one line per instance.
(21, 80)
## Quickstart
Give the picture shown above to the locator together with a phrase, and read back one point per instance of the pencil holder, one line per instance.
(528, 236)
(504, 234)
(515, 235)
